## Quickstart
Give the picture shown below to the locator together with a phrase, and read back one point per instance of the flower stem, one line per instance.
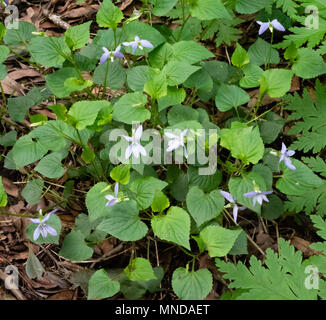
(107, 64)
(99, 172)
(105, 79)
(155, 113)
(270, 51)
(7, 213)
(71, 59)
(261, 115)
(257, 105)
(184, 20)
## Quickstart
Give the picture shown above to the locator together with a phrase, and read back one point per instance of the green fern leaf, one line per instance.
(288, 6)
(312, 200)
(225, 29)
(311, 129)
(301, 35)
(316, 164)
(283, 278)
(322, 48)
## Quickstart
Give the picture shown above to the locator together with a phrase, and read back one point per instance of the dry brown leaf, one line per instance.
(254, 94)
(213, 295)
(67, 218)
(38, 80)
(125, 4)
(206, 261)
(10, 187)
(81, 12)
(51, 33)
(295, 84)
(5, 295)
(32, 16)
(106, 246)
(50, 281)
(22, 73)
(264, 240)
(46, 112)
(69, 4)
(17, 208)
(47, 25)
(32, 208)
(303, 245)
(63, 295)
(312, 92)
(12, 87)
(19, 256)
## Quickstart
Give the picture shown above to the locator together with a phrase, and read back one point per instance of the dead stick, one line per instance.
(56, 19)
(248, 237)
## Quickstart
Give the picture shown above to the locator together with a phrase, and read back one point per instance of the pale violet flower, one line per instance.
(113, 199)
(111, 54)
(228, 196)
(138, 43)
(176, 141)
(135, 147)
(285, 156)
(274, 24)
(42, 227)
(258, 196)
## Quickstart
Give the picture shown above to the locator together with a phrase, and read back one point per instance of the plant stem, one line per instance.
(155, 113)
(99, 175)
(257, 105)
(7, 213)
(35, 64)
(248, 237)
(71, 59)
(184, 20)
(187, 253)
(12, 124)
(115, 37)
(261, 115)
(105, 79)
(270, 51)
(182, 27)
(107, 64)
(237, 112)
(193, 264)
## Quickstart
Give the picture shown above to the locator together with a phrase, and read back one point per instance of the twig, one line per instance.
(44, 249)
(263, 224)
(104, 257)
(56, 19)
(248, 237)
(276, 229)
(16, 126)
(53, 184)
(110, 254)
(227, 54)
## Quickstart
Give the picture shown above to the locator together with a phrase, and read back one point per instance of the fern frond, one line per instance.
(283, 278)
(312, 116)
